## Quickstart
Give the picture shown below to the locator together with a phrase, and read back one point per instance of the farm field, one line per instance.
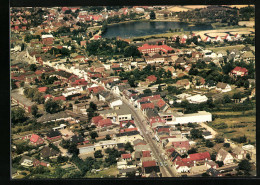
(236, 123)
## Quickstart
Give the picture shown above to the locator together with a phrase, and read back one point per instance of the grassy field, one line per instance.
(245, 119)
(112, 171)
(163, 35)
(215, 49)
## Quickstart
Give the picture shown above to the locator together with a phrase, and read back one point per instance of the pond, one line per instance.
(136, 29)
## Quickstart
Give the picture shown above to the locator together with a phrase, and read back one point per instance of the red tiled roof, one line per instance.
(148, 163)
(42, 89)
(199, 156)
(161, 47)
(160, 103)
(146, 154)
(59, 98)
(181, 144)
(126, 156)
(34, 138)
(163, 130)
(48, 96)
(104, 122)
(147, 105)
(152, 78)
(96, 119)
(240, 69)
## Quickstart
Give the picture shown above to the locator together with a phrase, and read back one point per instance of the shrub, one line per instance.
(227, 145)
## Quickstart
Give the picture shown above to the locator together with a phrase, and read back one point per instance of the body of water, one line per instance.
(136, 29)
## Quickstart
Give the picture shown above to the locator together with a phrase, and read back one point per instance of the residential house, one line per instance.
(151, 79)
(223, 87)
(239, 71)
(36, 140)
(48, 152)
(207, 135)
(239, 153)
(149, 167)
(185, 83)
(87, 148)
(26, 161)
(126, 157)
(224, 156)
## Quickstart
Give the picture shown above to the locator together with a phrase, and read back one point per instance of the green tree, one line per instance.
(98, 154)
(209, 144)
(33, 67)
(52, 106)
(17, 115)
(129, 147)
(108, 137)
(131, 51)
(152, 15)
(196, 133)
(34, 110)
(93, 135)
(244, 165)
(147, 91)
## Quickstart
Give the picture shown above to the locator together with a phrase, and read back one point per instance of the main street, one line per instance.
(141, 123)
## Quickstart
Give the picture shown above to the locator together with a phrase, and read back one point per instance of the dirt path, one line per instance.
(213, 132)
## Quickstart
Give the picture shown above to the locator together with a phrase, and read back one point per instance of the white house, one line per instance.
(223, 87)
(196, 99)
(84, 149)
(116, 103)
(182, 168)
(207, 135)
(228, 38)
(224, 156)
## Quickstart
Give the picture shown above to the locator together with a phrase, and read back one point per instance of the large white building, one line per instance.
(180, 118)
(197, 99)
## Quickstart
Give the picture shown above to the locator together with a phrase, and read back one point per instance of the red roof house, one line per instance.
(126, 156)
(151, 78)
(60, 98)
(104, 123)
(147, 106)
(42, 89)
(239, 71)
(96, 119)
(36, 140)
(146, 153)
(148, 163)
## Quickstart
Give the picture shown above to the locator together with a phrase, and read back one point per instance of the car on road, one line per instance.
(165, 164)
(161, 163)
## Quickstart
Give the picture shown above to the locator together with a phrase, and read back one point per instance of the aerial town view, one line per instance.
(132, 91)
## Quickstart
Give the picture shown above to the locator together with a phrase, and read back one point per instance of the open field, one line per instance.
(185, 8)
(238, 47)
(239, 123)
(112, 171)
(238, 6)
(163, 35)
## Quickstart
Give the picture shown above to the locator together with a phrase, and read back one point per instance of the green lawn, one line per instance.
(112, 171)
(247, 119)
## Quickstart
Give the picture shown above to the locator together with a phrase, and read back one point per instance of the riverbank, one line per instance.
(168, 34)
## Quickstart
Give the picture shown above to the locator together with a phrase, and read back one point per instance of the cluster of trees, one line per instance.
(29, 37)
(193, 108)
(52, 106)
(92, 111)
(241, 139)
(46, 79)
(62, 52)
(211, 14)
(141, 75)
(113, 154)
(34, 94)
(17, 115)
(72, 147)
(111, 47)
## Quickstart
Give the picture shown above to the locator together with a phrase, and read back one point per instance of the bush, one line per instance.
(209, 144)
(227, 145)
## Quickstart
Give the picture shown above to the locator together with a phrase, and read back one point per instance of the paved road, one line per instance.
(141, 124)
